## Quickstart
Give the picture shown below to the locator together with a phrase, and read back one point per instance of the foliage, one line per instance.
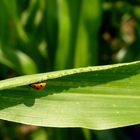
(42, 36)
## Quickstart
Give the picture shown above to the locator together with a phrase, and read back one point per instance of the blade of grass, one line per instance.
(17, 60)
(87, 40)
(11, 9)
(64, 28)
(51, 25)
(100, 97)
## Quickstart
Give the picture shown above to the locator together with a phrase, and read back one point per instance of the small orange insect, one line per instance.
(38, 85)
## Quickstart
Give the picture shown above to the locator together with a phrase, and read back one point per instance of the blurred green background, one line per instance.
(46, 35)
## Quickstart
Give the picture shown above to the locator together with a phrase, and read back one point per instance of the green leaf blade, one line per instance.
(94, 97)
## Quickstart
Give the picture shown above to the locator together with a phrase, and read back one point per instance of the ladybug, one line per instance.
(38, 85)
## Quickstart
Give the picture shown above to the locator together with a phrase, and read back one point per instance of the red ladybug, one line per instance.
(38, 85)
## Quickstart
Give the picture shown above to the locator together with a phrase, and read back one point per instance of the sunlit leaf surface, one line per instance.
(100, 97)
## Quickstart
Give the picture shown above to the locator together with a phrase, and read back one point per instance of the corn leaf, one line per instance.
(100, 97)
